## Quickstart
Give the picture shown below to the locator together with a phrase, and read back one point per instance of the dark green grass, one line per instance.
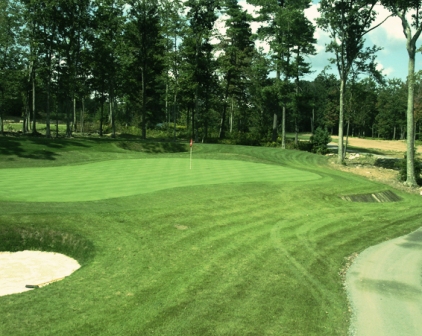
(249, 258)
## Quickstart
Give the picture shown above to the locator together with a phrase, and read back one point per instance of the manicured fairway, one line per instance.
(117, 178)
(254, 247)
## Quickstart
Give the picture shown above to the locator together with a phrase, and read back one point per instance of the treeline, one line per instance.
(126, 66)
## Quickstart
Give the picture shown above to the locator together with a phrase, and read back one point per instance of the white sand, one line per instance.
(19, 269)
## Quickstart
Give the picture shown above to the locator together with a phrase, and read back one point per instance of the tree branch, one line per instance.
(369, 30)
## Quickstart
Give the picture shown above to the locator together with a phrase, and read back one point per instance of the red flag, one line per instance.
(191, 143)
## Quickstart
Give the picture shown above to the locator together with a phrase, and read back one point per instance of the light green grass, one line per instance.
(246, 258)
(118, 178)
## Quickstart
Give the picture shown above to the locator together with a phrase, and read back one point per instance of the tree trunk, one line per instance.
(112, 112)
(110, 107)
(394, 133)
(57, 119)
(347, 139)
(411, 180)
(275, 126)
(166, 99)
(34, 129)
(101, 114)
(175, 115)
(340, 122)
(313, 121)
(74, 126)
(283, 128)
(82, 115)
(47, 121)
(1, 116)
(68, 126)
(143, 110)
(231, 116)
(223, 122)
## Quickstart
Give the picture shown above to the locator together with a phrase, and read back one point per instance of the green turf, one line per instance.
(117, 178)
(255, 257)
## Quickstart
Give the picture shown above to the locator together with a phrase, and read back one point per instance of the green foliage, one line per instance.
(319, 140)
(402, 166)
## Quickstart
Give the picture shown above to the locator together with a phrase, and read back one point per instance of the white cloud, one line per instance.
(385, 71)
(389, 36)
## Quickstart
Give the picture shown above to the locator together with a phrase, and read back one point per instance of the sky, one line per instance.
(393, 59)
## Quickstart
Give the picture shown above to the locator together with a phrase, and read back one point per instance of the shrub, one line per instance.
(319, 140)
(402, 165)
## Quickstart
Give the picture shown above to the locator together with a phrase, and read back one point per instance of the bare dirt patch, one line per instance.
(385, 146)
(365, 165)
(181, 227)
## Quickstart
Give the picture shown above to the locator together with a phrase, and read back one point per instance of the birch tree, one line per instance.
(347, 22)
(410, 15)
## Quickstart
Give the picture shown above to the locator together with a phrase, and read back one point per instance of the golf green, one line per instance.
(118, 178)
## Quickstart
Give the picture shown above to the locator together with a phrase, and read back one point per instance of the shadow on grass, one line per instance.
(36, 148)
(365, 150)
(153, 147)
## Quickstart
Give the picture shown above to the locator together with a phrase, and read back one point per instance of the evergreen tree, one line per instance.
(144, 65)
(235, 60)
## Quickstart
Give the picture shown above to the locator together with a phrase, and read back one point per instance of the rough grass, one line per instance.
(253, 258)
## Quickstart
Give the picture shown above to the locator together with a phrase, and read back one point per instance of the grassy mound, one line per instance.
(257, 257)
(14, 238)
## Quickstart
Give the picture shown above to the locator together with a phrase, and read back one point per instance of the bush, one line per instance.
(319, 141)
(402, 165)
(301, 145)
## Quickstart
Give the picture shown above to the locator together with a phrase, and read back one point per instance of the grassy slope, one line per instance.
(253, 258)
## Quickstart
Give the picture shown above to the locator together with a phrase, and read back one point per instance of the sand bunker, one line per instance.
(19, 269)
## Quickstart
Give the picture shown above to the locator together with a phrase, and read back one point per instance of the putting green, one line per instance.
(110, 179)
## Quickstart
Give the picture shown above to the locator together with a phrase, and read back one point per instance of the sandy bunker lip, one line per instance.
(34, 268)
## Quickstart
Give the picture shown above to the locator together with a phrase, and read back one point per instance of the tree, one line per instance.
(10, 55)
(412, 28)
(391, 106)
(107, 47)
(198, 70)
(144, 65)
(347, 24)
(72, 34)
(302, 36)
(290, 37)
(236, 57)
(173, 26)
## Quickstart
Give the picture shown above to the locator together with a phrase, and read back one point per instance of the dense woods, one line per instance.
(126, 66)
